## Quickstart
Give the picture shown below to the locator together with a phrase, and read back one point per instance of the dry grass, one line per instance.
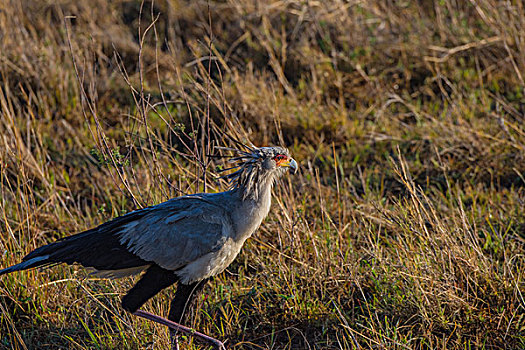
(404, 229)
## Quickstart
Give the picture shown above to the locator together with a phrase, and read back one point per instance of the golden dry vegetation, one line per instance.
(404, 229)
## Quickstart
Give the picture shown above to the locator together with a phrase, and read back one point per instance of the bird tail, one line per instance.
(46, 255)
(27, 264)
(99, 248)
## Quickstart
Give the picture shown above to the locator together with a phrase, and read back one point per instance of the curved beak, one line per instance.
(290, 163)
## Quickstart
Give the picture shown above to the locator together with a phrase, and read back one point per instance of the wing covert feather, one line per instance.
(178, 231)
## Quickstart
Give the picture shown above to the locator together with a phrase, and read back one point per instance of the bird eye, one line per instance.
(279, 157)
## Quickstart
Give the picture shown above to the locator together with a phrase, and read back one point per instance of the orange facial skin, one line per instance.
(280, 159)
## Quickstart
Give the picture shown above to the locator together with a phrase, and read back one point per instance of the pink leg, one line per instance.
(180, 328)
(174, 339)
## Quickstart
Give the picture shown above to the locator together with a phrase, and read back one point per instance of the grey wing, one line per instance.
(178, 232)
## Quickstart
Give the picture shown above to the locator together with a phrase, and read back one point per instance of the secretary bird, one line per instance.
(186, 239)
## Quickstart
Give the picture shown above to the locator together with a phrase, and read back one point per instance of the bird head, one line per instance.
(276, 160)
(259, 166)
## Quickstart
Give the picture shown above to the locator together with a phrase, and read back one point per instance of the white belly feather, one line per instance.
(210, 264)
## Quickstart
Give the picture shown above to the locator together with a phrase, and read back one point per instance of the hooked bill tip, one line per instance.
(293, 166)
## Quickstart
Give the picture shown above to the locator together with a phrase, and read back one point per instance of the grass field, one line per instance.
(404, 228)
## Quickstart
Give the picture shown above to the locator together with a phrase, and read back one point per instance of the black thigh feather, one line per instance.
(153, 281)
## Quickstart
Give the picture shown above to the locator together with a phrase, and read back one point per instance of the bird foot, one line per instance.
(179, 328)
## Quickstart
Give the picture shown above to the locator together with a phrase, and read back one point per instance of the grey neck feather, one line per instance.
(253, 182)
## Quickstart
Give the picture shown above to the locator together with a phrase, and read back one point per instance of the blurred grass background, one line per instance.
(404, 229)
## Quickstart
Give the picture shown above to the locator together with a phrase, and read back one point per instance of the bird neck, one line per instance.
(252, 208)
(257, 188)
